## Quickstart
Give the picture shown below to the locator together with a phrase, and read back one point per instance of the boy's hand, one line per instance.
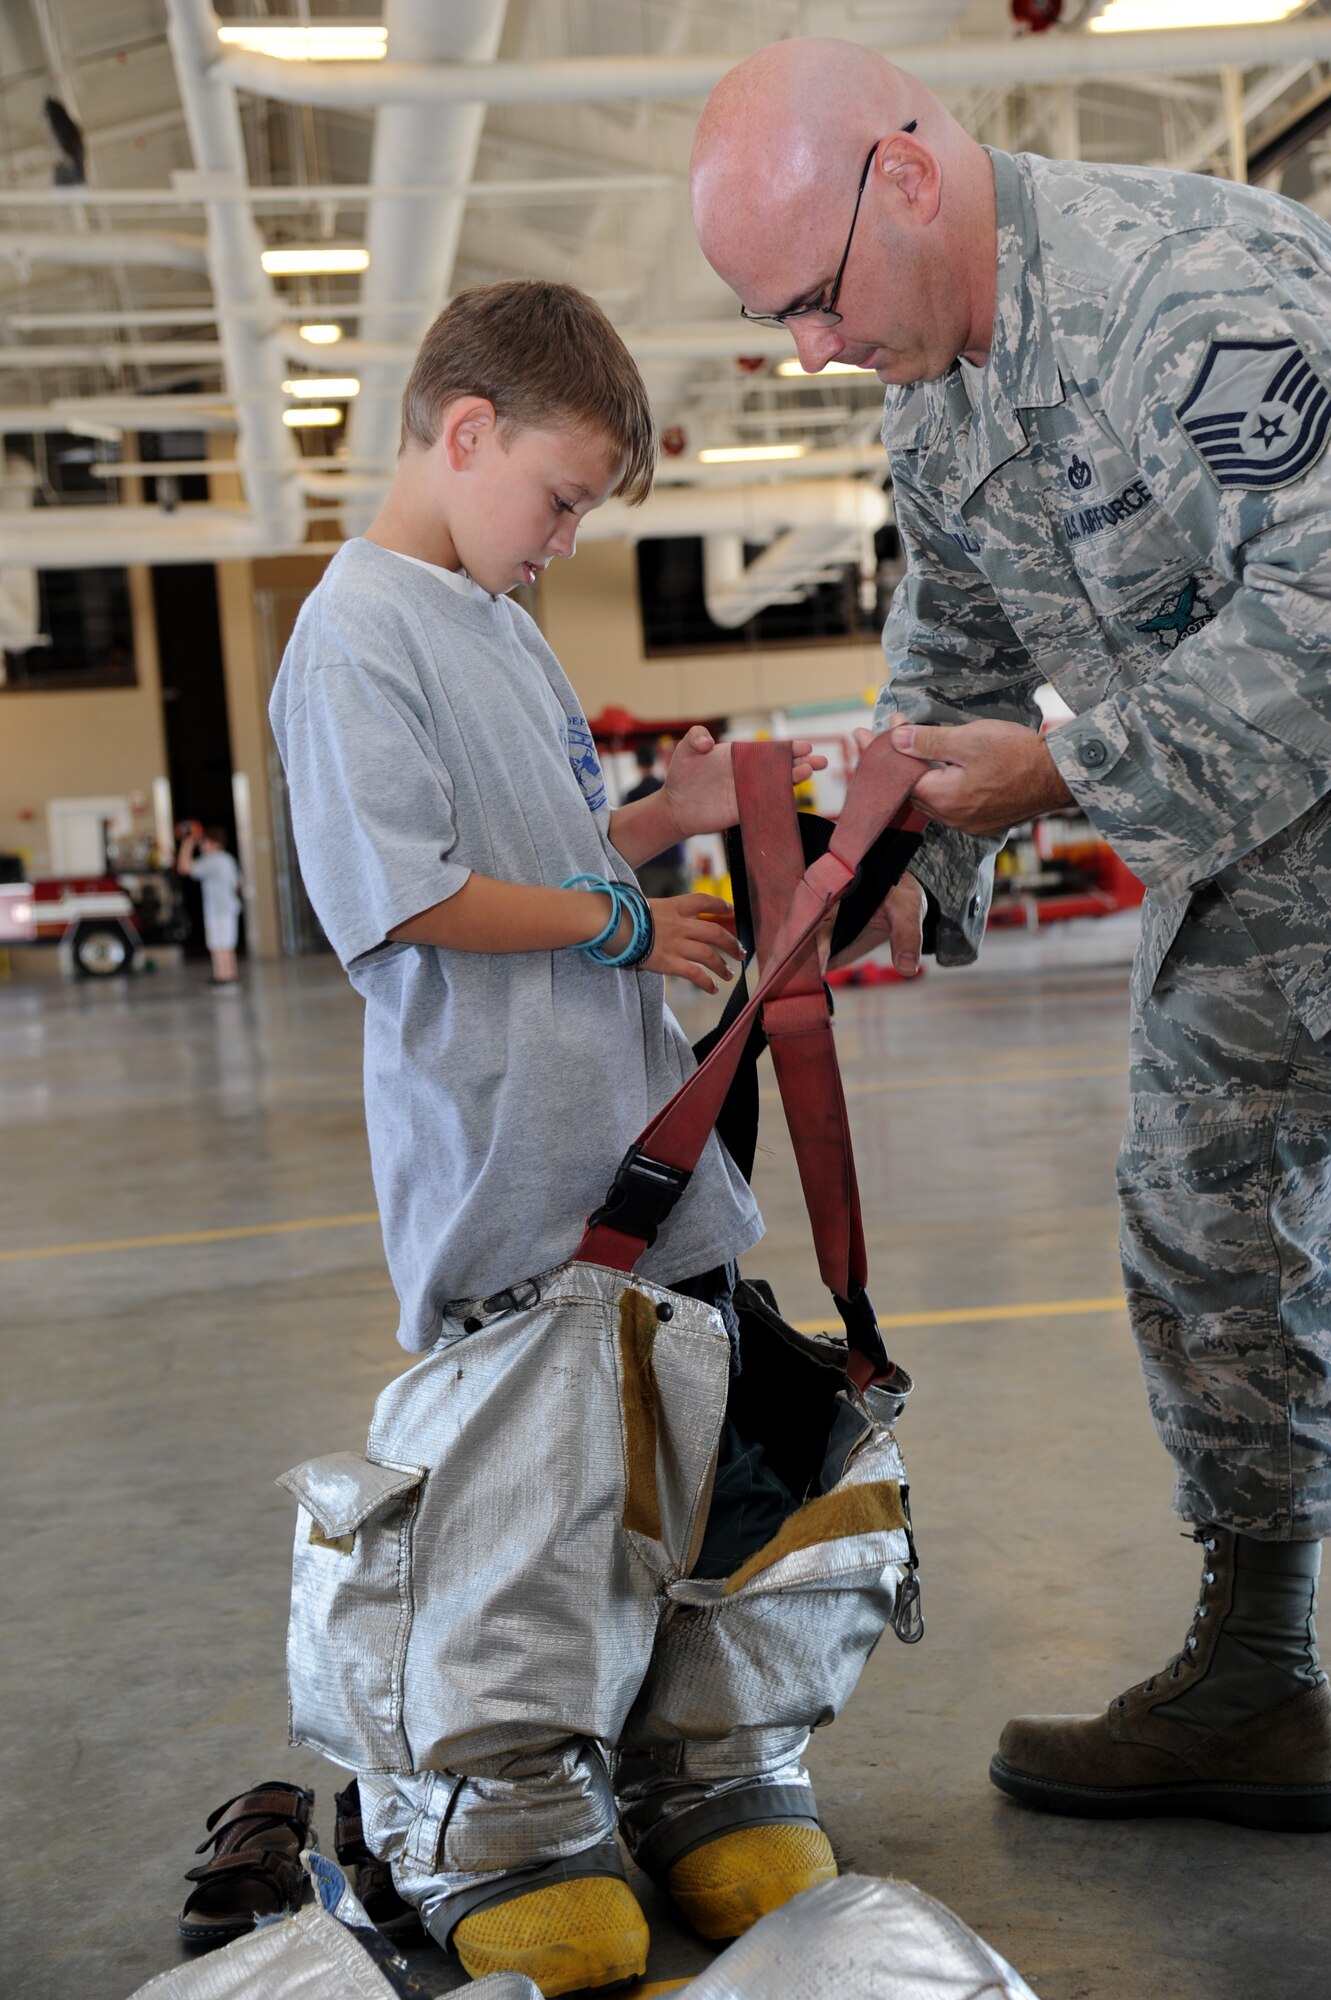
(699, 787)
(695, 935)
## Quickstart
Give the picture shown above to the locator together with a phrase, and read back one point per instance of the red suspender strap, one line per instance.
(656, 1168)
(798, 1021)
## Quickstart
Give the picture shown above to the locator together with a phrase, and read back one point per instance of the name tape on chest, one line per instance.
(1257, 413)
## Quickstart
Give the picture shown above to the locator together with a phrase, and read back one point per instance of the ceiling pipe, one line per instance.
(191, 190)
(324, 482)
(959, 62)
(112, 537)
(413, 243)
(68, 538)
(113, 354)
(56, 246)
(254, 364)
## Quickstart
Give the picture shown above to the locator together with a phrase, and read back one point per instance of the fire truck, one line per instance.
(100, 922)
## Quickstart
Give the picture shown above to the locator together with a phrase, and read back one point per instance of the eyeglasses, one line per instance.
(823, 313)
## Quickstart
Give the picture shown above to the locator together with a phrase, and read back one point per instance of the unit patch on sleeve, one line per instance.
(1257, 412)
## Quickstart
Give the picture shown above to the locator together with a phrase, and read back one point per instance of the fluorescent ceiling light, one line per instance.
(319, 41)
(334, 257)
(309, 417)
(1133, 16)
(832, 368)
(314, 386)
(321, 335)
(735, 454)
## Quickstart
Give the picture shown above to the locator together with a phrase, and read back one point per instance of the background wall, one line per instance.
(74, 743)
(589, 613)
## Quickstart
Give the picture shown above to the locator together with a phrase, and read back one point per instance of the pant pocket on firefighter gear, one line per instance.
(351, 1608)
(780, 1642)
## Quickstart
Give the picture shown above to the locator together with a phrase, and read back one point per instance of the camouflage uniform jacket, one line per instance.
(1132, 500)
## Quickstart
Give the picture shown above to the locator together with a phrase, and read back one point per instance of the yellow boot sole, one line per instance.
(568, 1937)
(725, 1885)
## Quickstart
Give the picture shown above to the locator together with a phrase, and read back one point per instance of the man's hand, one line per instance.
(694, 934)
(699, 788)
(899, 922)
(983, 777)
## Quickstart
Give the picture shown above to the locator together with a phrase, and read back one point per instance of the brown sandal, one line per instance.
(255, 1869)
(371, 1878)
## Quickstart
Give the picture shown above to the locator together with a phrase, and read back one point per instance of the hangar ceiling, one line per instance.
(539, 138)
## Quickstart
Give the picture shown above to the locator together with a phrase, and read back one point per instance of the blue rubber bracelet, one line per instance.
(624, 897)
(599, 885)
(643, 939)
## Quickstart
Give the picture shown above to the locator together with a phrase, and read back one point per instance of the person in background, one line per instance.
(203, 854)
(665, 874)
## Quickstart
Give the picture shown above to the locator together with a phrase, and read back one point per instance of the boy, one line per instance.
(218, 876)
(443, 788)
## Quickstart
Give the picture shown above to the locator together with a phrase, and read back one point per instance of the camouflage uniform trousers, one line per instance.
(1225, 1192)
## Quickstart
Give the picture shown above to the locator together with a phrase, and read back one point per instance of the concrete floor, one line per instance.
(154, 1388)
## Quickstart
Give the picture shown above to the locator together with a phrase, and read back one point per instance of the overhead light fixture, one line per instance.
(314, 386)
(1135, 16)
(831, 368)
(311, 417)
(736, 454)
(324, 257)
(321, 334)
(319, 41)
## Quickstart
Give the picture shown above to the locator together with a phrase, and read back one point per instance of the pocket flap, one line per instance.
(343, 1490)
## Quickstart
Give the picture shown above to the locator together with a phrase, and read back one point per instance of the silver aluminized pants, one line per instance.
(493, 1620)
(1225, 1196)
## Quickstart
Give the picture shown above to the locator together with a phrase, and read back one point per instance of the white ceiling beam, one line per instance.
(111, 248)
(191, 191)
(112, 354)
(943, 65)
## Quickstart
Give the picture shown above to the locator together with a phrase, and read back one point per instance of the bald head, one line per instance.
(777, 155)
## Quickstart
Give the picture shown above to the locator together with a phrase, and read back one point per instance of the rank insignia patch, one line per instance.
(1257, 413)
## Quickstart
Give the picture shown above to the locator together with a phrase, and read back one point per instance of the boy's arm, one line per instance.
(692, 932)
(698, 796)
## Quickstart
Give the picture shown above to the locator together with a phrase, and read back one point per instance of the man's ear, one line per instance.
(912, 171)
(468, 420)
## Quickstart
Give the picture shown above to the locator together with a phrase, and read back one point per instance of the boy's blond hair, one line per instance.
(548, 358)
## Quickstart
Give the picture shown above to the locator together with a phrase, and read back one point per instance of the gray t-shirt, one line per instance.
(427, 731)
(218, 876)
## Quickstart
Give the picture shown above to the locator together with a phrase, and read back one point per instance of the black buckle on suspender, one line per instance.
(641, 1196)
(862, 1334)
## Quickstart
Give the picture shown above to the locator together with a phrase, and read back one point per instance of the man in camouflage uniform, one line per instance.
(1108, 414)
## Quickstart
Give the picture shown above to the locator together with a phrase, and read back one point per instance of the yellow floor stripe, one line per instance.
(188, 1236)
(980, 1079)
(966, 1315)
(951, 1316)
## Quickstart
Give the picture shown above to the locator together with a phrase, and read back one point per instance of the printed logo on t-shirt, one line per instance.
(586, 764)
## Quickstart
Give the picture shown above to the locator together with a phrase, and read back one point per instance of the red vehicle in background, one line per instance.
(102, 921)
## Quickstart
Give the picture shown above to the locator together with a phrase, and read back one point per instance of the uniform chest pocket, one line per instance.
(1122, 547)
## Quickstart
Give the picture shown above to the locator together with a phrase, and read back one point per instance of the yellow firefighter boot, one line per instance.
(567, 1937)
(725, 1885)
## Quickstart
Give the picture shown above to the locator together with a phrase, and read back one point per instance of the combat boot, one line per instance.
(1236, 1727)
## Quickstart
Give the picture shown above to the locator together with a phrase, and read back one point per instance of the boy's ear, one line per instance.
(468, 420)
